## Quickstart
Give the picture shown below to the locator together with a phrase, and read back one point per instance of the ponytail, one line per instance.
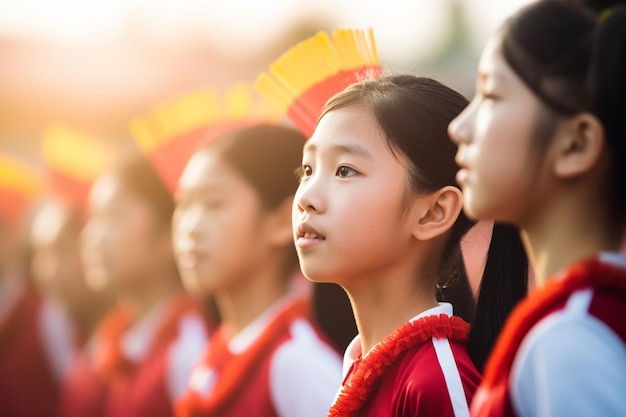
(504, 283)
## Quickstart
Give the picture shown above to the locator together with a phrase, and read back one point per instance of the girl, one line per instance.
(145, 349)
(377, 211)
(233, 240)
(542, 146)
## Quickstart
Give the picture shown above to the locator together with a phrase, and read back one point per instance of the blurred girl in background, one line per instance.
(232, 236)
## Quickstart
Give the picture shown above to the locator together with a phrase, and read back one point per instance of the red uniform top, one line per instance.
(85, 388)
(563, 351)
(278, 366)
(28, 387)
(158, 353)
(136, 369)
(421, 369)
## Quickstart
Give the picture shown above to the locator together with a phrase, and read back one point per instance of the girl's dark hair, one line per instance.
(572, 55)
(266, 156)
(135, 172)
(414, 114)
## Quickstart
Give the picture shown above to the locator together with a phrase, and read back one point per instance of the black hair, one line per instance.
(414, 114)
(266, 156)
(134, 171)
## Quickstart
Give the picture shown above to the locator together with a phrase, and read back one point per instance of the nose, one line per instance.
(460, 128)
(309, 198)
(187, 219)
(91, 236)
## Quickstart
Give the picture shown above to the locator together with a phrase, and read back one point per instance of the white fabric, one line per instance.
(452, 377)
(58, 338)
(136, 341)
(185, 352)
(304, 374)
(570, 364)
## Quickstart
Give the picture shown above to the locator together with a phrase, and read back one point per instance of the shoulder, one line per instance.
(437, 377)
(305, 372)
(570, 363)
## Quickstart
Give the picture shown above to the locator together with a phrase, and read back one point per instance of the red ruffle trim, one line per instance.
(411, 335)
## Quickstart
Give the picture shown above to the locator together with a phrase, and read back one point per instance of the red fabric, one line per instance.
(27, 384)
(242, 388)
(84, 390)
(402, 375)
(140, 390)
(306, 109)
(70, 190)
(609, 281)
(171, 157)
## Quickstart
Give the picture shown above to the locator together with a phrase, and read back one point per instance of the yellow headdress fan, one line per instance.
(309, 73)
(172, 132)
(72, 160)
(19, 186)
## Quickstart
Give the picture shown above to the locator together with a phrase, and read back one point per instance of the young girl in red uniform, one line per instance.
(28, 384)
(542, 146)
(144, 350)
(232, 236)
(377, 211)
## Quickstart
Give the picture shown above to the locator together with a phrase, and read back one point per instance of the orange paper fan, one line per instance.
(172, 132)
(72, 161)
(19, 186)
(308, 74)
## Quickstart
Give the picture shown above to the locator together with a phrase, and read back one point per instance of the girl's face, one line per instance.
(56, 262)
(494, 136)
(218, 225)
(121, 239)
(348, 218)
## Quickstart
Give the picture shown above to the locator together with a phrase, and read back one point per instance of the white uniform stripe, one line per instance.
(452, 377)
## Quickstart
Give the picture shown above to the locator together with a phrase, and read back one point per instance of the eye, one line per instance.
(344, 172)
(303, 171)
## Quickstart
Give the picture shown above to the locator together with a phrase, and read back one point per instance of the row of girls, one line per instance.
(198, 300)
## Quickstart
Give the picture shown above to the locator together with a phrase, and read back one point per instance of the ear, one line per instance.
(580, 147)
(278, 227)
(437, 212)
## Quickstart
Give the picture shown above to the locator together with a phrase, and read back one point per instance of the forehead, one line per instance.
(104, 191)
(353, 125)
(207, 169)
(492, 65)
(49, 223)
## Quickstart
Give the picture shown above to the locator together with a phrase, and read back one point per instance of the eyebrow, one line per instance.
(341, 148)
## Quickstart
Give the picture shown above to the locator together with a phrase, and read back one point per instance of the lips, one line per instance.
(307, 236)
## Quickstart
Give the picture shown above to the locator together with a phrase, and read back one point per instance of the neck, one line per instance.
(240, 304)
(143, 300)
(384, 301)
(568, 231)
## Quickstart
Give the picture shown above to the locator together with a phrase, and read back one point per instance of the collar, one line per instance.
(353, 351)
(136, 341)
(246, 336)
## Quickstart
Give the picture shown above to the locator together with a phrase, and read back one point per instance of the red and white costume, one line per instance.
(138, 370)
(421, 369)
(563, 351)
(277, 366)
(28, 383)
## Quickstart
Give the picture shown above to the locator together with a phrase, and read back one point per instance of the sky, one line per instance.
(244, 25)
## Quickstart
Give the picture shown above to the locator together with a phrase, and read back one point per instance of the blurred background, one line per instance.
(95, 64)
